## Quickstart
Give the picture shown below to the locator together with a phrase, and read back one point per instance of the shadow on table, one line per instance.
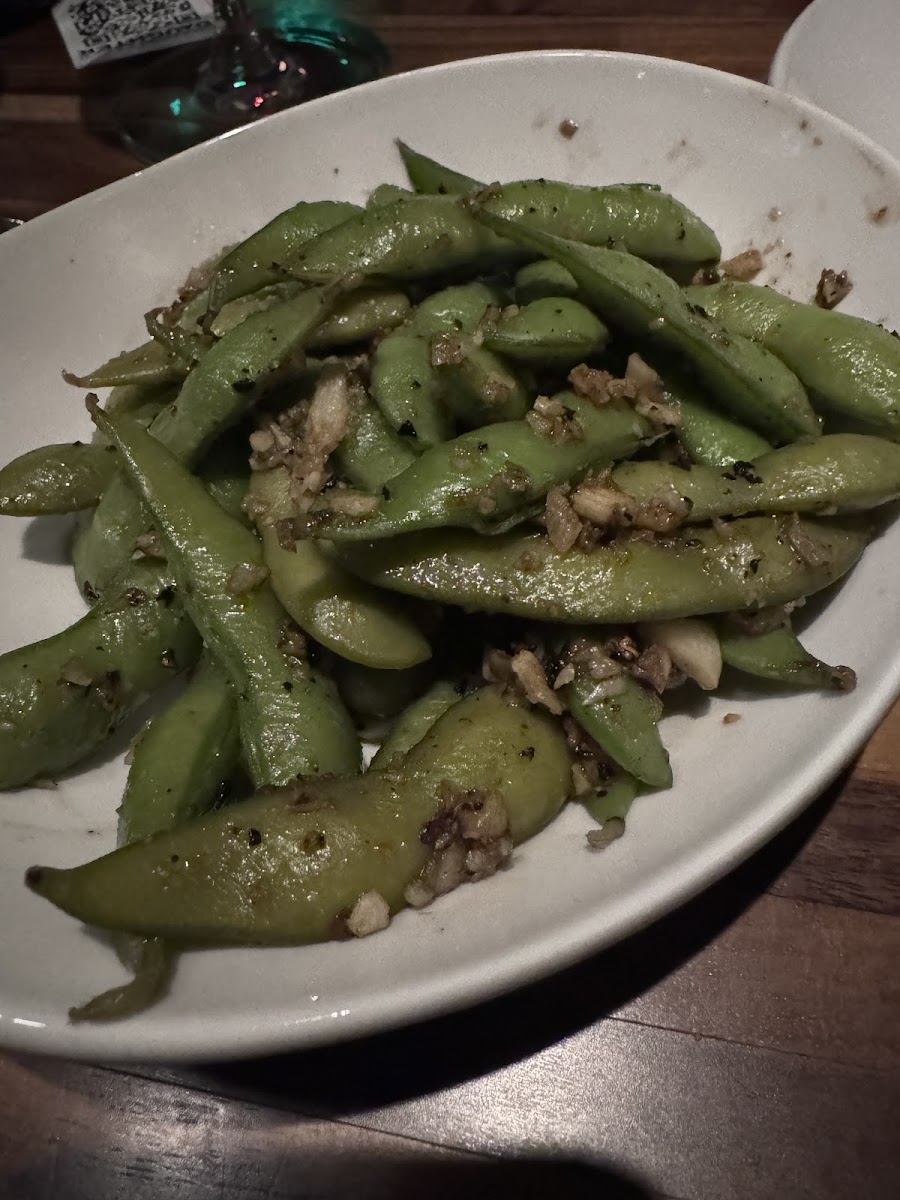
(479, 1179)
(418, 1172)
(392, 1067)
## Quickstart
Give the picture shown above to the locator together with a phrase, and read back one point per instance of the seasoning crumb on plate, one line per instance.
(609, 832)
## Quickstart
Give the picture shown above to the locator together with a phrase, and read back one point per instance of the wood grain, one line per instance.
(746, 1047)
(118, 1136)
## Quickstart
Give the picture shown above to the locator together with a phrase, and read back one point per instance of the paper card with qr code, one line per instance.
(98, 31)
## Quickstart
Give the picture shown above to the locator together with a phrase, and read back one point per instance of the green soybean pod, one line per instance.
(415, 721)
(341, 612)
(386, 193)
(639, 218)
(149, 363)
(407, 389)
(60, 698)
(375, 695)
(625, 725)
(236, 311)
(298, 857)
(179, 766)
(851, 366)
(840, 472)
(481, 478)
(779, 657)
(291, 721)
(56, 479)
(630, 580)
(613, 799)
(477, 385)
(427, 175)
(543, 278)
(712, 438)
(360, 316)
(410, 238)
(735, 373)
(141, 401)
(457, 309)
(371, 453)
(231, 378)
(183, 757)
(405, 383)
(251, 265)
(554, 331)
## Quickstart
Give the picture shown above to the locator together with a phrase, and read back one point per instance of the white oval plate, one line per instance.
(843, 56)
(73, 286)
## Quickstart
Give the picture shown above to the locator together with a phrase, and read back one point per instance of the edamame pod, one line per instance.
(742, 377)
(410, 238)
(235, 311)
(632, 579)
(427, 175)
(625, 725)
(840, 472)
(341, 612)
(477, 386)
(538, 280)
(214, 396)
(56, 479)
(555, 331)
(405, 383)
(482, 477)
(153, 961)
(457, 309)
(407, 389)
(712, 438)
(183, 757)
(851, 366)
(361, 315)
(386, 193)
(149, 363)
(613, 799)
(415, 721)
(251, 265)
(639, 218)
(142, 401)
(375, 696)
(780, 657)
(291, 720)
(179, 766)
(189, 345)
(228, 487)
(300, 857)
(371, 453)
(61, 698)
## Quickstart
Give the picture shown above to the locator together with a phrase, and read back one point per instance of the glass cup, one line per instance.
(306, 48)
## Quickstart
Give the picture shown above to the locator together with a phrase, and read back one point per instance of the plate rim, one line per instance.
(685, 878)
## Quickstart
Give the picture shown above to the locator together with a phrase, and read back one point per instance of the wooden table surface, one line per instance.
(747, 1046)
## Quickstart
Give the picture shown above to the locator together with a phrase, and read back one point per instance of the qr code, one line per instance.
(102, 30)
